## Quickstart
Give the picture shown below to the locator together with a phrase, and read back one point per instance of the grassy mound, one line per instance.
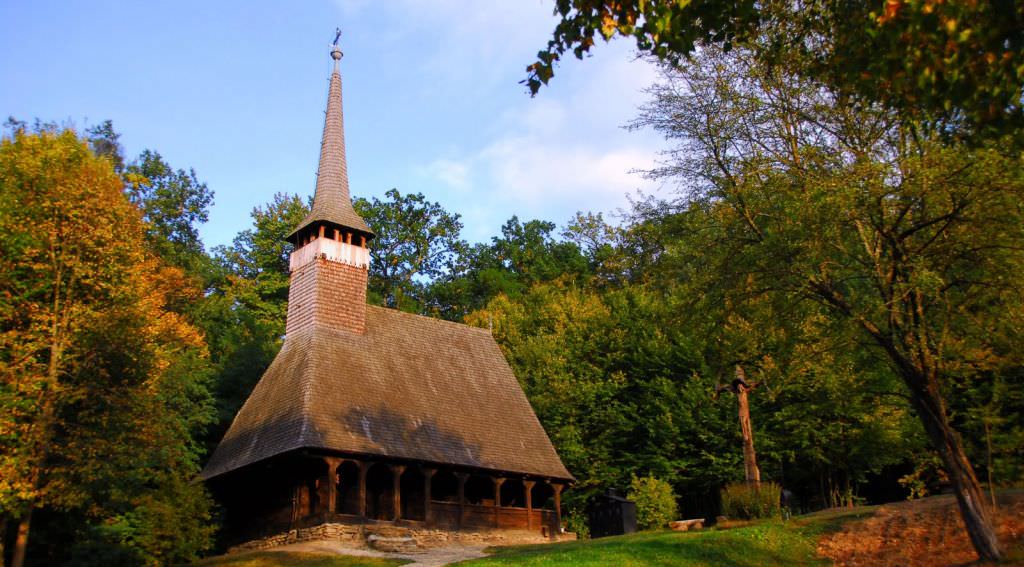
(766, 543)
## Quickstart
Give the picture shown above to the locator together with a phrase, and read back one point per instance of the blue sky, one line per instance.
(236, 90)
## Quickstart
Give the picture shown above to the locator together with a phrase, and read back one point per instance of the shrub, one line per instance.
(748, 501)
(576, 522)
(655, 502)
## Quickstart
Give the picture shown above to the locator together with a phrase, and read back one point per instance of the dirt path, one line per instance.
(926, 532)
(427, 558)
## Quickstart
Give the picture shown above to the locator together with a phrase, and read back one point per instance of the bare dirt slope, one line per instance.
(922, 532)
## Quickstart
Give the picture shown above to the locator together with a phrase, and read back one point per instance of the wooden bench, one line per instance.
(687, 525)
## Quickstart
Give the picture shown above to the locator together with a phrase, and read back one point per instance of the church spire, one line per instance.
(332, 203)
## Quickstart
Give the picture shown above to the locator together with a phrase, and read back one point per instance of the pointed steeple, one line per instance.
(332, 203)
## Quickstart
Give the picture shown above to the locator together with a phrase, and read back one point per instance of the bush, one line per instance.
(655, 502)
(748, 501)
(576, 522)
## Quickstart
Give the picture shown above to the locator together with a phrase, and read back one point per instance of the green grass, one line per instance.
(276, 558)
(765, 543)
(762, 543)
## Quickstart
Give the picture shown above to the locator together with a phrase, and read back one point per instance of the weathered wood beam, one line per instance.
(462, 496)
(363, 469)
(498, 481)
(428, 475)
(528, 486)
(332, 483)
(396, 490)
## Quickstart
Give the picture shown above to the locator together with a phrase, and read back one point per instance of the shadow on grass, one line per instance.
(831, 521)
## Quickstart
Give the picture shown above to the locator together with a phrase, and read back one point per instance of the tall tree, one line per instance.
(416, 240)
(88, 348)
(244, 312)
(908, 245)
(173, 202)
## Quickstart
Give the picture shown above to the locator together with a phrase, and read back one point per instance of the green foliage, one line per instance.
(655, 502)
(104, 386)
(745, 501)
(173, 203)
(416, 240)
(903, 248)
(767, 543)
(959, 63)
(525, 254)
(576, 522)
(244, 314)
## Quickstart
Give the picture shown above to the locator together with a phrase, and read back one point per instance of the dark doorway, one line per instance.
(543, 496)
(379, 497)
(444, 487)
(348, 489)
(480, 490)
(412, 487)
(513, 493)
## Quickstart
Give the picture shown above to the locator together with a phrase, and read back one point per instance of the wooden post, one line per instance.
(337, 235)
(753, 474)
(362, 241)
(741, 387)
(528, 484)
(462, 496)
(332, 483)
(363, 468)
(558, 508)
(348, 238)
(396, 490)
(428, 475)
(322, 231)
(498, 481)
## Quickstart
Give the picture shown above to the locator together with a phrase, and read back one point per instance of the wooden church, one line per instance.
(371, 417)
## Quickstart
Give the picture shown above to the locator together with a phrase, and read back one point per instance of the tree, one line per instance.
(244, 313)
(416, 240)
(105, 142)
(959, 63)
(524, 255)
(103, 387)
(906, 244)
(173, 203)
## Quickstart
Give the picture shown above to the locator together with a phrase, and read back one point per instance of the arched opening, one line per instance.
(311, 487)
(379, 497)
(543, 496)
(513, 493)
(480, 490)
(412, 486)
(348, 489)
(444, 487)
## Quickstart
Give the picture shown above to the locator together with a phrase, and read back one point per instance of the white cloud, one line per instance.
(452, 173)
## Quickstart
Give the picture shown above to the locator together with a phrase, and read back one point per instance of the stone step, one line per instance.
(392, 544)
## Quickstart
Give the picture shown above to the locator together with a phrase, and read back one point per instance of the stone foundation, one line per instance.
(358, 537)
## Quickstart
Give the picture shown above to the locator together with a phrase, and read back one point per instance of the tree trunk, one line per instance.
(976, 515)
(753, 474)
(21, 542)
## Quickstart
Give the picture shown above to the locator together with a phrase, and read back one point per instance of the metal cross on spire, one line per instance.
(336, 53)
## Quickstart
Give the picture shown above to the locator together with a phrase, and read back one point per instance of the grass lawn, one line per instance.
(771, 542)
(768, 543)
(275, 558)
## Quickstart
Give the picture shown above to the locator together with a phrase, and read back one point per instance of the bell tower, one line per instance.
(330, 264)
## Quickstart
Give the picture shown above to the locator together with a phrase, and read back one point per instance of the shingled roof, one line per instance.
(331, 202)
(410, 387)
